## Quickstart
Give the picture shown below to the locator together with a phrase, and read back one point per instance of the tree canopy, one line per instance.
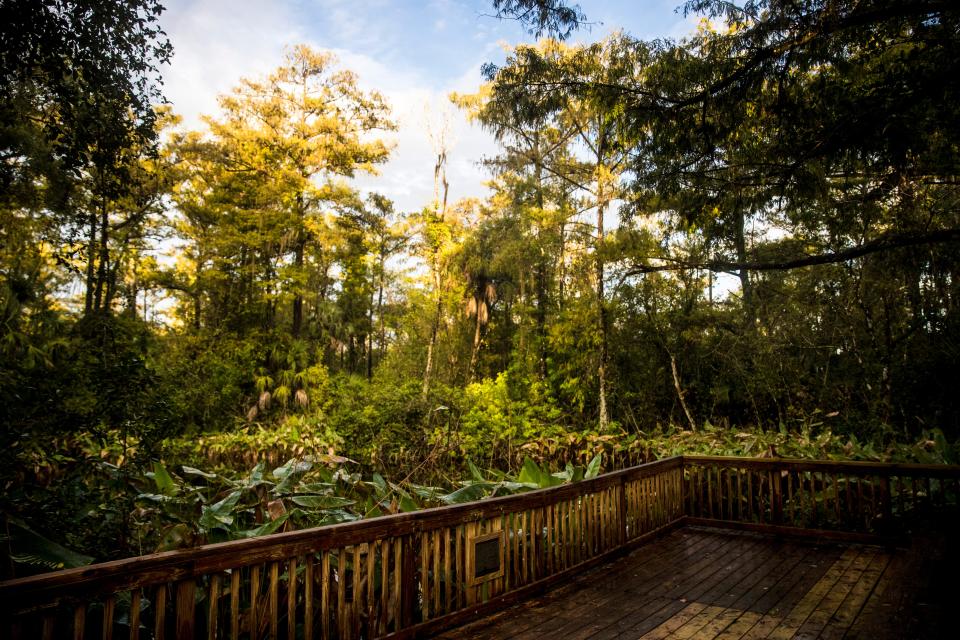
(744, 237)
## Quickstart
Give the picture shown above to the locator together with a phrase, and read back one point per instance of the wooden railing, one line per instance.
(840, 500)
(410, 574)
(395, 576)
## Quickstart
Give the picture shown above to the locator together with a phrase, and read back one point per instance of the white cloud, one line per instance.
(216, 42)
(219, 41)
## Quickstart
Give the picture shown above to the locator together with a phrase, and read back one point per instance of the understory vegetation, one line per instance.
(743, 242)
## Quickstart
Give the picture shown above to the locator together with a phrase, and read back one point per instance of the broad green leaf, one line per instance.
(219, 514)
(550, 479)
(469, 493)
(425, 493)
(379, 484)
(190, 471)
(530, 472)
(29, 547)
(474, 472)
(157, 497)
(290, 467)
(322, 502)
(255, 479)
(162, 479)
(593, 469)
(513, 487)
(408, 504)
(315, 487)
(337, 516)
(264, 529)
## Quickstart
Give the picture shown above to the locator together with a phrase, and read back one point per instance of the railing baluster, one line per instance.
(160, 612)
(235, 604)
(325, 595)
(79, 622)
(384, 608)
(109, 604)
(135, 614)
(397, 598)
(343, 629)
(356, 603)
(186, 590)
(272, 599)
(308, 596)
(435, 551)
(213, 600)
(292, 598)
(255, 602)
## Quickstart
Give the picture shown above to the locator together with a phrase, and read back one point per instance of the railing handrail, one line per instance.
(802, 464)
(426, 560)
(185, 563)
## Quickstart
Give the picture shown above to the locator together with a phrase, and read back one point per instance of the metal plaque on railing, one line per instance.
(485, 557)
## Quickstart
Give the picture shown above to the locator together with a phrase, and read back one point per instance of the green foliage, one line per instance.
(27, 547)
(784, 275)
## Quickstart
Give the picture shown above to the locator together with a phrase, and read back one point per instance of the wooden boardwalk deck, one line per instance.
(705, 583)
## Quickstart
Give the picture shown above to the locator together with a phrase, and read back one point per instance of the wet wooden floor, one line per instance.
(704, 583)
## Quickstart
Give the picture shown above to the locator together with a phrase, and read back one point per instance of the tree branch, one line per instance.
(885, 243)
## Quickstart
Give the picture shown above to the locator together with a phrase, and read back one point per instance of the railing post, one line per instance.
(885, 501)
(776, 484)
(623, 510)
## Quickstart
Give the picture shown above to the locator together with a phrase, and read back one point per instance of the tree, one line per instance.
(78, 80)
(528, 80)
(531, 188)
(303, 129)
(541, 17)
(386, 237)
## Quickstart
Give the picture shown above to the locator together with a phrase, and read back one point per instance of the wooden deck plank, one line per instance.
(828, 606)
(841, 621)
(708, 584)
(775, 604)
(750, 590)
(662, 600)
(792, 622)
(916, 594)
(563, 622)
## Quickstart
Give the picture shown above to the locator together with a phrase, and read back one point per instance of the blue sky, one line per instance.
(414, 52)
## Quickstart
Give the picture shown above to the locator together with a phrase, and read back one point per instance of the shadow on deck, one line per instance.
(709, 583)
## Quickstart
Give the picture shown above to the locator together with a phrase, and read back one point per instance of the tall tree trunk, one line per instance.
(541, 277)
(475, 351)
(298, 297)
(369, 340)
(91, 262)
(434, 329)
(299, 250)
(601, 303)
(104, 258)
(602, 308)
(439, 180)
(541, 285)
(562, 266)
(681, 393)
(383, 327)
(196, 295)
(740, 240)
(132, 291)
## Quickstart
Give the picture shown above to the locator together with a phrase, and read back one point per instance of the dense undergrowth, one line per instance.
(108, 495)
